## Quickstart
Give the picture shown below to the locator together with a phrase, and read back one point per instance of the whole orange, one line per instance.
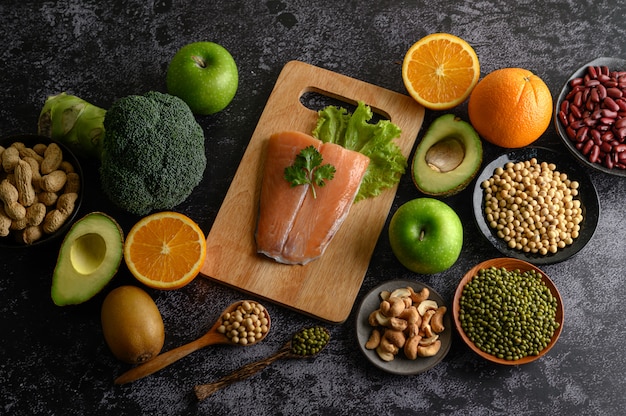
(510, 107)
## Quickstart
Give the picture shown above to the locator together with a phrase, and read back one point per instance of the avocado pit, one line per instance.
(447, 158)
(445, 155)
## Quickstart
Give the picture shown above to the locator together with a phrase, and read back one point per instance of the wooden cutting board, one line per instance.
(325, 288)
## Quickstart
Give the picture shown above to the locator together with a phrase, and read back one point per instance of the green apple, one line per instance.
(426, 235)
(204, 75)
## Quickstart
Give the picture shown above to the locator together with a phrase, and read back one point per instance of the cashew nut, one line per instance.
(392, 307)
(420, 296)
(425, 327)
(406, 321)
(384, 355)
(425, 305)
(374, 340)
(436, 322)
(413, 319)
(410, 347)
(429, 350)
(394, 337)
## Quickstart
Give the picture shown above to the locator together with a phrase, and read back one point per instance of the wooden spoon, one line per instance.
(210, 338)
(205, 390)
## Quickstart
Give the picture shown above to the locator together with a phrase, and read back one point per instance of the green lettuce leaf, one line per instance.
(355, 132)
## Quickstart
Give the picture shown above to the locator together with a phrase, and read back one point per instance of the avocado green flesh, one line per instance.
(88, 259)
(447, 158)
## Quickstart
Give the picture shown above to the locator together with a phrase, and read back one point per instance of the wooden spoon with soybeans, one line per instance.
(246, 314)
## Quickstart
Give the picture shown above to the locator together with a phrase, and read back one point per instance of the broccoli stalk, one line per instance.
(151, 148)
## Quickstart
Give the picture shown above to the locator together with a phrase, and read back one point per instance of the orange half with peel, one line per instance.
(440, 70)
(165, 250)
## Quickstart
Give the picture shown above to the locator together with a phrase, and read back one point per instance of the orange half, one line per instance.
(440, 70)
(165, 250)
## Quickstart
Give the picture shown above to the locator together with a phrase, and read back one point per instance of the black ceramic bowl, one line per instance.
(588, 197)
(31, 140)
(614, 64)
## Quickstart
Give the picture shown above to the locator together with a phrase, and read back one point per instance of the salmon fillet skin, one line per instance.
(294, 227)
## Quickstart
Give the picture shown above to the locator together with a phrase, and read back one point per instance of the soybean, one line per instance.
(246, 324)
(532, 206)
(508, 314)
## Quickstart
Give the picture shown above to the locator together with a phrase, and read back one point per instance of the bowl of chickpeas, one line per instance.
(508, 311)
(535, 205)
(41, 183)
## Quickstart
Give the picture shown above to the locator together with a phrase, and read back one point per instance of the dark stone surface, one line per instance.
(54, 360)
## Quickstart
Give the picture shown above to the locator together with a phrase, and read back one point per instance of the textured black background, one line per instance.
(54, 360)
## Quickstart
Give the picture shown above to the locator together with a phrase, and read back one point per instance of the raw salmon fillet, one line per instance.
(293, 227)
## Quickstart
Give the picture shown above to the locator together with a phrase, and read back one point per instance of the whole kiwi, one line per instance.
(132, 325)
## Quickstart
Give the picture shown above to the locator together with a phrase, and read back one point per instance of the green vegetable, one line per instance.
(508, 314)
(355, 132)
(74, 122)
(150, 146)
(307, 169)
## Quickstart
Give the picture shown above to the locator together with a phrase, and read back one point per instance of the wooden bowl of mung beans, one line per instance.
(508, 311)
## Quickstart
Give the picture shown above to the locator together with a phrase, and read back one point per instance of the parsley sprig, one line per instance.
(308, 169)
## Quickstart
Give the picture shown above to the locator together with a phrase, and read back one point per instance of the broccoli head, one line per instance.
(152, 152)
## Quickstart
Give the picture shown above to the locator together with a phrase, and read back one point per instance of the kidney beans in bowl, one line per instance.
(590, 115)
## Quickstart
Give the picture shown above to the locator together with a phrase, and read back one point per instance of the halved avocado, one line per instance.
(89, 257)
(447, 158)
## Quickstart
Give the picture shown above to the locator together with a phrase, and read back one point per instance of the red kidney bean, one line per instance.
(614, 92)
(575, 82)
(607, 136)
(610, 104)
(596, 136)
(606, 147)
(581, 134)
(619, 123)
(620, 148)
(594, 115)
(594, 155)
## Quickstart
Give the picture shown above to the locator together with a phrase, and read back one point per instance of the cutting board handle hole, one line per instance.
(316, 100)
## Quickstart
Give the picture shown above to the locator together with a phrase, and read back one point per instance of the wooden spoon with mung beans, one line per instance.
(303, 344)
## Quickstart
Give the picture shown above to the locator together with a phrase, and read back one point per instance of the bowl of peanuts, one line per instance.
(590, 115)
(535, 205)
(41, 184)
(508, 311)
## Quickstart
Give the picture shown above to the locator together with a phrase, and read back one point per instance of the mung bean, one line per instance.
(508, 314)
(309, 341)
